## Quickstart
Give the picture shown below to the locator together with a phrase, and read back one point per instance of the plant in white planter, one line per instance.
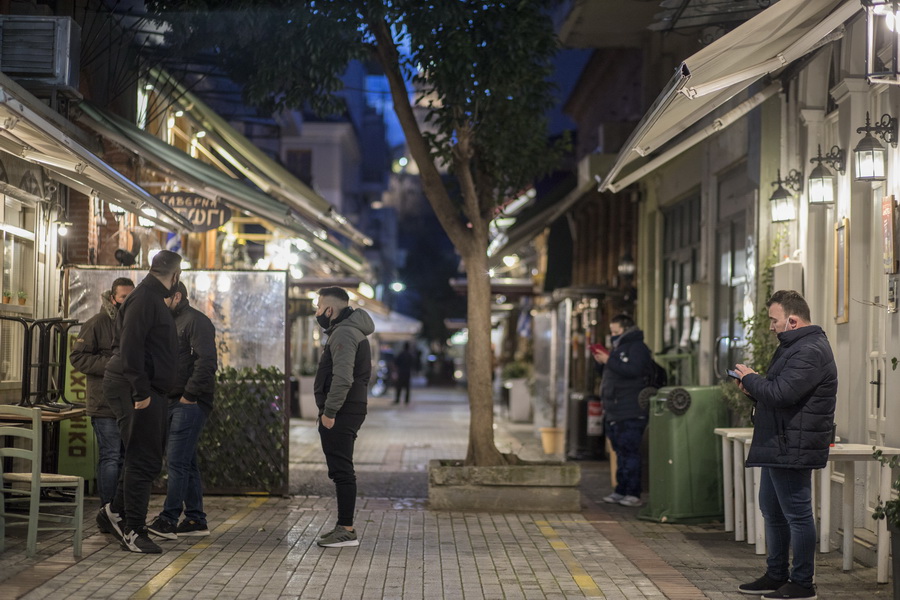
(515, 379)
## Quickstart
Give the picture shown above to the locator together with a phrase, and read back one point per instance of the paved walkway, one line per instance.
(264, 547)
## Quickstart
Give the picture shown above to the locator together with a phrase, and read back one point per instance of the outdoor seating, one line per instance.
(29, 489)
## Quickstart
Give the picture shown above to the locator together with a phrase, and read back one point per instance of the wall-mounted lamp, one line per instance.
(781, 204)
(627, 266)
(116, 209)
(150, 212)
(882, 44)
(871, 155)
(822, 182)
(62, 222)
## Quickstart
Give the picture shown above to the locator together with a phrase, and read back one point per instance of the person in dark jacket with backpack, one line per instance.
(190, 403)
(341, 388)
(793, 425)
(625, 370)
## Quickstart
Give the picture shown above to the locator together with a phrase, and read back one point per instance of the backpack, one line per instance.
(657, 376)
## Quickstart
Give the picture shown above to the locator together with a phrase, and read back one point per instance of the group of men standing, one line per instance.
(150, 360)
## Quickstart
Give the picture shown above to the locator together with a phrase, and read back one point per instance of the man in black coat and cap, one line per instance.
(793, 421)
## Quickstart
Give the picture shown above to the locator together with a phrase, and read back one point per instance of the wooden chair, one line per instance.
(26, 487)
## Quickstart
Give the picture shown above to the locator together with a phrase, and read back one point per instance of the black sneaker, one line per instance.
(163, 528)
(139, 541)
(110, 522)
(339, 538)
(192, 528)
(763, 585)
(792, 590)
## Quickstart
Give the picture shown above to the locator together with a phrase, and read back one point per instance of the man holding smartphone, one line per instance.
(793, 416)
(624, 371)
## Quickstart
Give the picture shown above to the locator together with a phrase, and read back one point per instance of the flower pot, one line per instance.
(553, 440)
(6, 299)
(22, 301)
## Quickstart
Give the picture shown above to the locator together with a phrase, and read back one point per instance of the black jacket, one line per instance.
(145, 346)
(197, 359)
(624, 376)
(90, 353)
(342, 379)
(794, 412)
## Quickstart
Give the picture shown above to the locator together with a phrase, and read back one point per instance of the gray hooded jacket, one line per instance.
(342, 379)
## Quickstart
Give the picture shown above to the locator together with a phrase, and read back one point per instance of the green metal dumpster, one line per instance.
(685, 455)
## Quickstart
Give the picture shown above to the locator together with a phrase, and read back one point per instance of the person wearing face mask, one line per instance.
(341, 390)
(793, 417)
(625, 371)
(136, 383)
(90, 353)
(190, 403)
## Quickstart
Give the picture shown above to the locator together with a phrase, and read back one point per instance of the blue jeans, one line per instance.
(184, 491)
(785, 500)
(111, 456)
(625, 437)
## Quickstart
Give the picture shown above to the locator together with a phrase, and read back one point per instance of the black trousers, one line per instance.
(337, 444)
(402, 384)
(144, 437)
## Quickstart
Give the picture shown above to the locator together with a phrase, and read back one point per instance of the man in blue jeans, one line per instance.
(625, 371)
(793, 424)
(190, 402)
(90, 353)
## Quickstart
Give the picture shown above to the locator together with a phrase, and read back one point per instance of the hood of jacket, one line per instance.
(107, 306)
(179, 308)
(354, 317)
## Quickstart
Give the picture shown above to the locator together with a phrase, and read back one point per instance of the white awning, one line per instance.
(394, 327)
(29, 130)
(766, 43)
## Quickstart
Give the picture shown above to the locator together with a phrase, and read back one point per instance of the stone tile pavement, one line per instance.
(264, 547)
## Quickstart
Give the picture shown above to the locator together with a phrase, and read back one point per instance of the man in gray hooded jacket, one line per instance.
(341, 390)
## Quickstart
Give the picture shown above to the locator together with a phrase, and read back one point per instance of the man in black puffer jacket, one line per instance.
(793, 424)
(625, 370)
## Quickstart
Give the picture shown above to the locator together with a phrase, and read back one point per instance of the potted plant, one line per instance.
(889, 510)
(515, 380)
(23, 296)
(7, 296)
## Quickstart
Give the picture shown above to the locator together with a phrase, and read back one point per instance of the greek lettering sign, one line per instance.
(77, 446)
(204, 213)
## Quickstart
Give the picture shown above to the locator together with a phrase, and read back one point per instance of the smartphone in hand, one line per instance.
(734, 374)
(598, 348)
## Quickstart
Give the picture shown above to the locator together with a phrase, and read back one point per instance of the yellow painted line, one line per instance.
(167, 574)
(584, 581)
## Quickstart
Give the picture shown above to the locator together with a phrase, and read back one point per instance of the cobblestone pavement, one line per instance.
(264, 547)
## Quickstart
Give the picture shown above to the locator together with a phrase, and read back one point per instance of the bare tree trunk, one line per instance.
(482, 450)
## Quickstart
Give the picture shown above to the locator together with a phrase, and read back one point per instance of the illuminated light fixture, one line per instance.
(200, 134)
(782, 203)
(822, 182)
(63, 224)
(871, 155)
(511, 260)
(882, 28)
(626, 266)
(398, 286)
(150, 212)
(179, 113)
(366, 290)
(148, 86)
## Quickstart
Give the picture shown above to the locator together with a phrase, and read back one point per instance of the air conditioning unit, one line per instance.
(40, 52)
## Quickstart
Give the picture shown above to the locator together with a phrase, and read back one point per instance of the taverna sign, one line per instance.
(204, 213)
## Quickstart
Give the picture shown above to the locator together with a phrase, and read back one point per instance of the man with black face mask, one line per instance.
(341, 389)
(90, 353)
(136, 384)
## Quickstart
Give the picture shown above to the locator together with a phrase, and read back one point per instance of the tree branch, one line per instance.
(385, 52)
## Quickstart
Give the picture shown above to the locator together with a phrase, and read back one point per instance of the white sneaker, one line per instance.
(613, 498)
(630, 501)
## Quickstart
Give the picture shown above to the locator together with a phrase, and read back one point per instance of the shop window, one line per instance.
(681, 249)
(299, 163)
(17, 263)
